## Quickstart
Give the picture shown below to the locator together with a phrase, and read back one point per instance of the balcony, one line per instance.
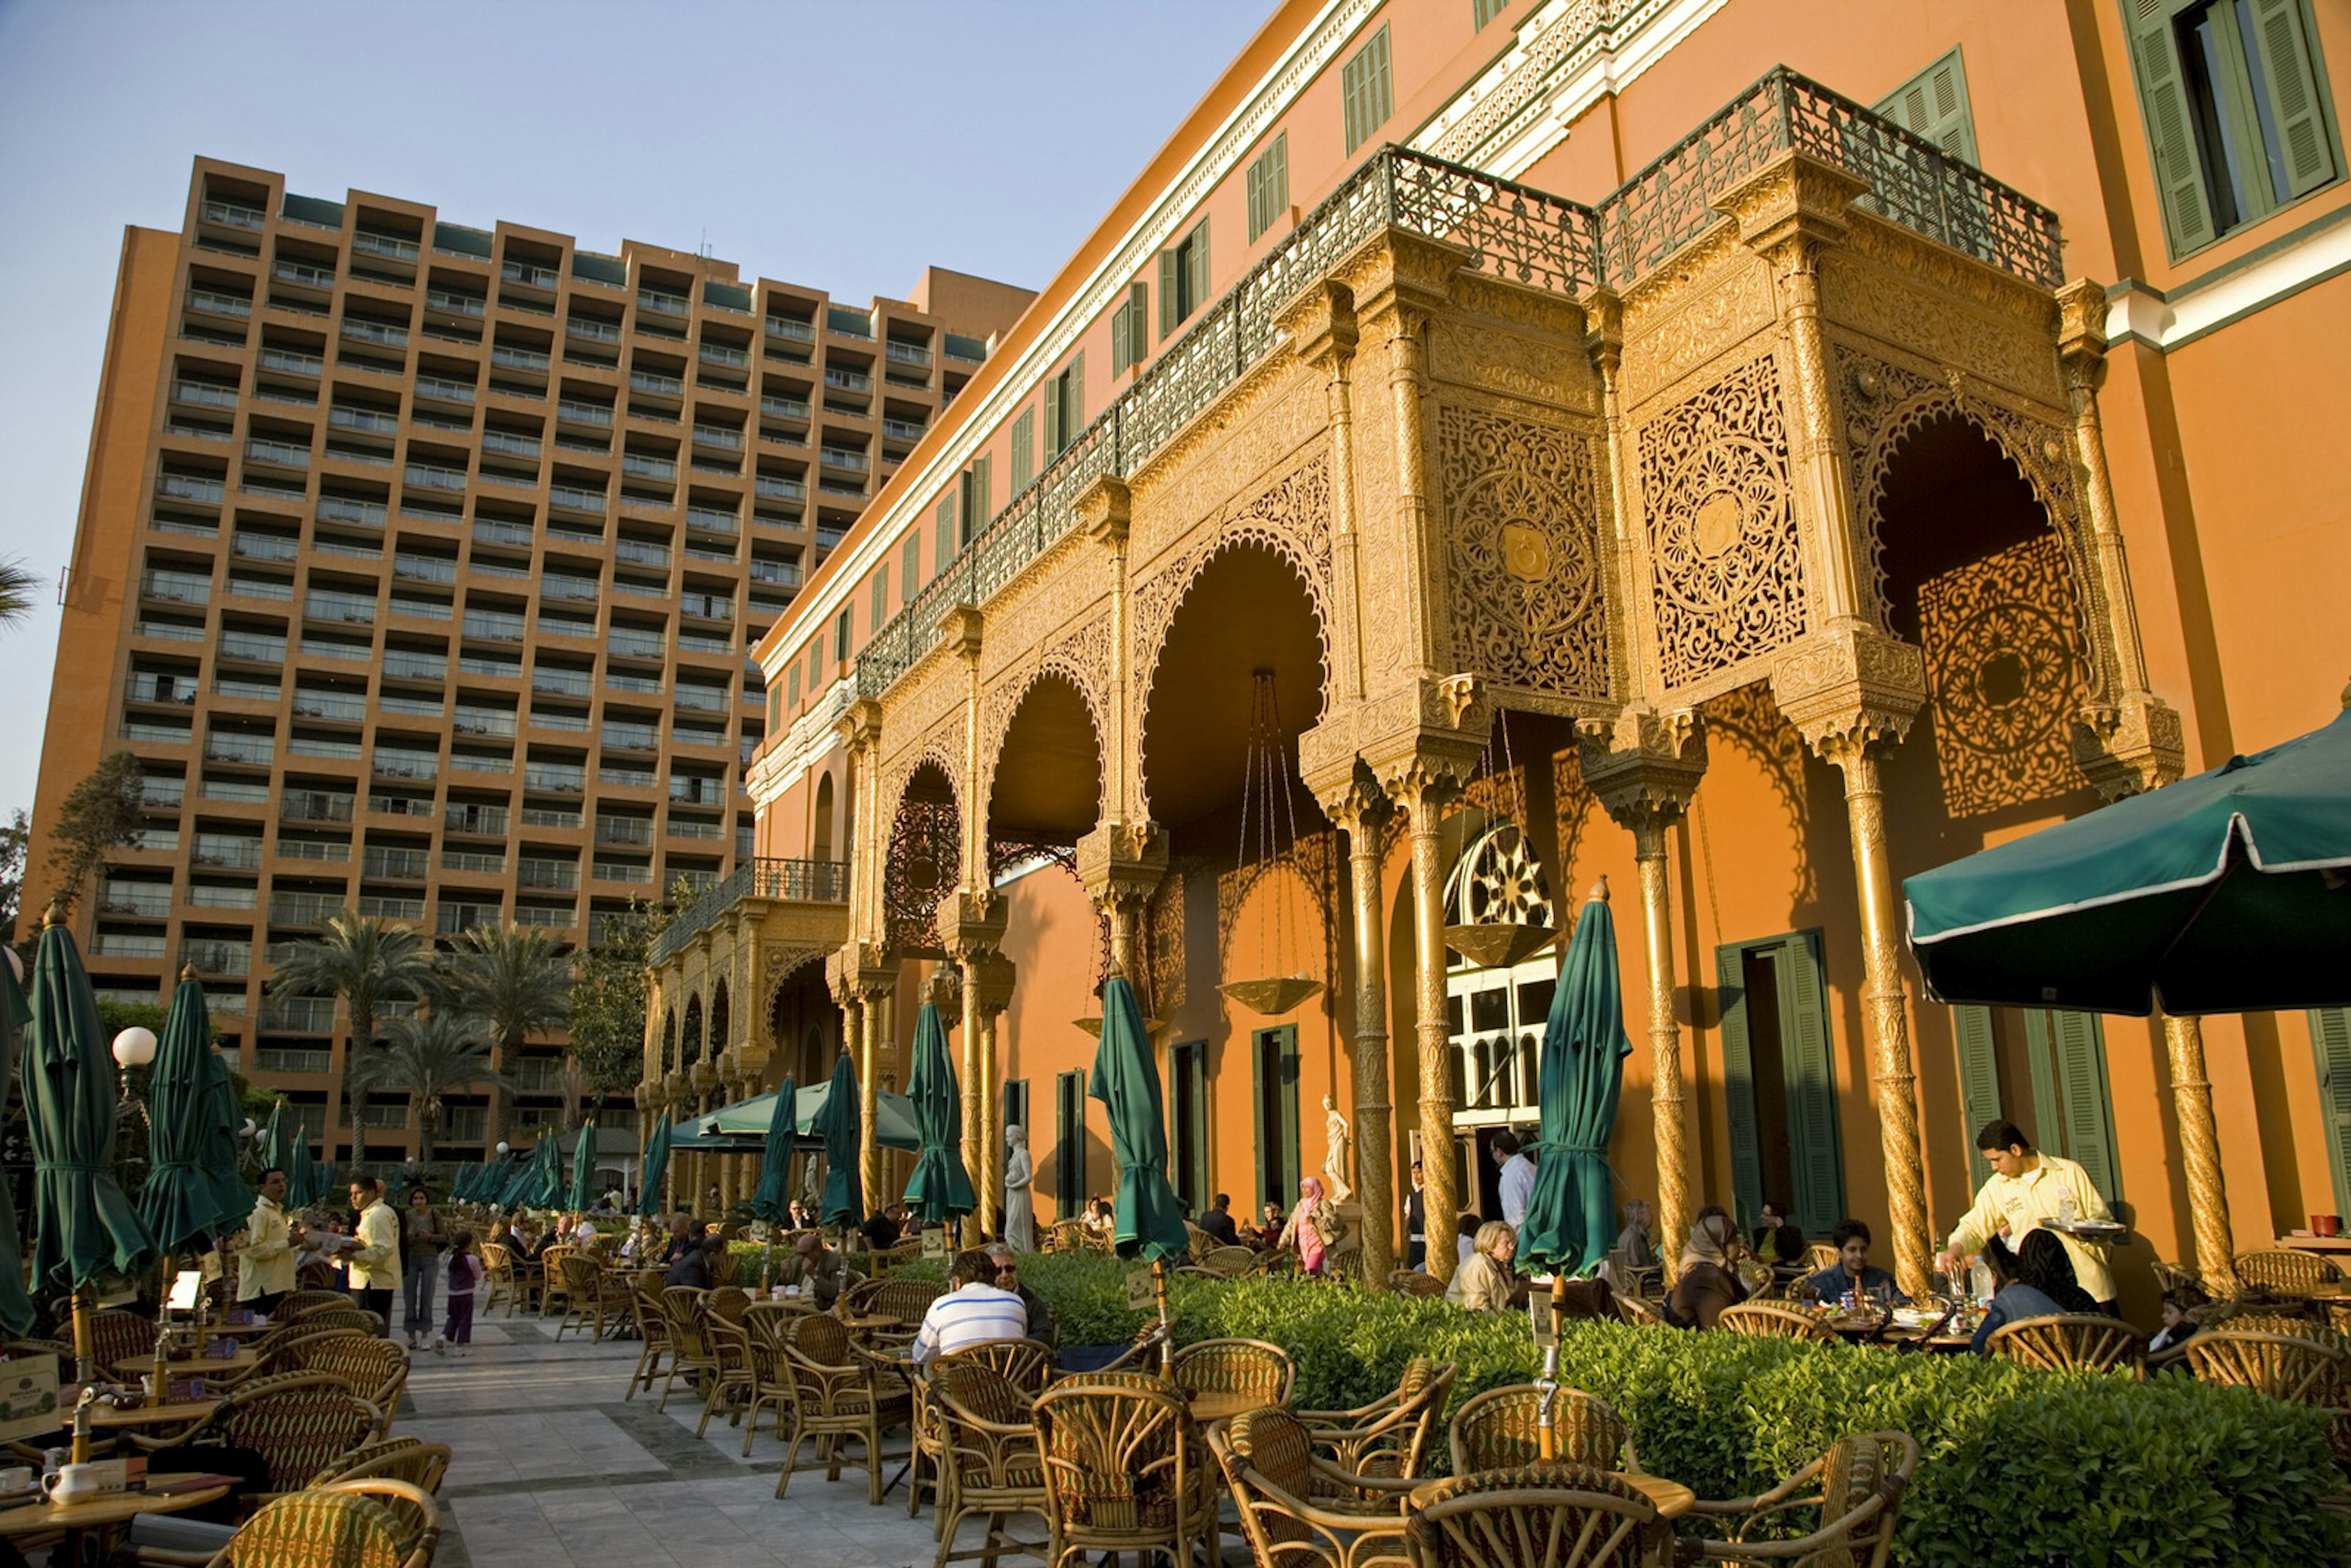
(218, 957)
(367, 514)
(314, 806)
(232, 214)
(530, 360)
(392, 247)
(377, 333)
(848, 381)
(908, 353)
(789, 881)
(298, 1015)
(797, 327)
(252, 748)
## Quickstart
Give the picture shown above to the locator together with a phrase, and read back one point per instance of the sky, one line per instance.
(844, 145)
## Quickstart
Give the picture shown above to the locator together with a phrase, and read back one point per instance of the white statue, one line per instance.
(1019, 1206)
(811, 1182)
(1334, 1159)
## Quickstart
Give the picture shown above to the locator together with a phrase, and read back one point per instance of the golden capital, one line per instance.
(1398, 279)
(959, 632)
(1321, 322)
(1603, 329)
(971, 921)
(1849, 684)
(2129, 747)
(1360, 804)
(1793, 202)
(1120, 864)
(860, 724)
(1105, 509)
(1643, 764)
(991, 983)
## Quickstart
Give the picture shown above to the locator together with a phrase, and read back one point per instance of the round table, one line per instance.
(1208, 1408)
(1671, 1498)
(108, 1513)
(108, 1418)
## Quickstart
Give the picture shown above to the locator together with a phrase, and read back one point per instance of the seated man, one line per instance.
(1218, 1221)
(974, 1314)
(1041, 1327)
(815, 1268)
(693, 1265)
(1852, 1273)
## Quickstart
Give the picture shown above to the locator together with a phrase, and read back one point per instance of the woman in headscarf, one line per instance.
(1706, 1283)
(2043, 1262)
(1314, 1226)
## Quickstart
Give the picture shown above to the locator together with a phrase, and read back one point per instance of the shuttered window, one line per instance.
(840, 636)
(792, 687)
(910, 565)
(1274, 1062)
(1188, 1122)
(1934, 103)
(1069, 1145)
(2330, 1039)
(2236, 122)
(1130, 331)
(1780, 1081)
(1268, 186)
(1065, 407)
(1979, 1050)
(942, 529)
(1024, 449)
(1183, 278)
(1484, 11)
(880, 597)
(973, 508)
(1365, 91)
(2058, 1092)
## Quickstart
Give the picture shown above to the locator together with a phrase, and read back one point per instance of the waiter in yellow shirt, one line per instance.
(265, 1253)
(374, 1254)
(2031, 1191)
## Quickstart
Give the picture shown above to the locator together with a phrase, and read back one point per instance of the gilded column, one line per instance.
(990, 979)
(2200, 1153)
(1363, 809)
(880, 1040)
(1424, 793)
(975, 1115)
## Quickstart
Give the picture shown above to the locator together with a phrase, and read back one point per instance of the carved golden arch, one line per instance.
(1004, 706)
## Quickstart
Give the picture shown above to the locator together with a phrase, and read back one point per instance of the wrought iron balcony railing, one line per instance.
(1516, 233)
(807, 882)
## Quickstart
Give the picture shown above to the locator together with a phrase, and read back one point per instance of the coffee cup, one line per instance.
(16, 1480)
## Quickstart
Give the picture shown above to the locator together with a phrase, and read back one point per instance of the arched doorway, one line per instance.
(821, 821)
(720, 1038)
(690, 1045)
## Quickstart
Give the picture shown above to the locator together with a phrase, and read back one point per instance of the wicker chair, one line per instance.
(343, 1317)
(904, 1300)
(1067, 1236)
(731, 1383)
(838, 1394)
(1763, 1282)
(1028, 1366)
(771, 1379)
(1414, 1283)
(593, 1297)
(689, 1347)
(1124, 1469)
(497, 1277)
(1298, 1508)
(1224, 1262)
(552, 1290)
(2179, 1276)
(2067, 1342)
(299, 1424)
(1389, 1436)
(1560, 1516)
(2292, 1325)
(410, 1459)
(1820, 1255)
(989, 1457)
(1850, 1495)
(1246, 1368)
(375, 1369)
(2283, 1271)
(2283, 1366)
(1638, 1309)
(879, 1263)
(1502, 1429)
(375, 1523)
(723, 1264)
(302, 1303)
(729, 1302)
(1769, 1320)
(652, 1329)
(122, 1344)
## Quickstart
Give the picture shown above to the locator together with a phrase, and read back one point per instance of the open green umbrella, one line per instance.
(844, 1192)
(16, 1306)
(84, 1225)
(656, 1166)
(772, 1200)
(1150, 1216)
(583, 1169)
(180, 1201)
(1567, 1227)
(940, 1189)
(744, 1125)
(2230, 892)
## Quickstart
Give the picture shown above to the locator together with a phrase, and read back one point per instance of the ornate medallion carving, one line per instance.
(925, 857)
(1527, 606)
(1727, 565)
(2003, 645)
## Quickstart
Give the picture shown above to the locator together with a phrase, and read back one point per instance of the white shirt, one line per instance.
(375, 1262)
(1517, 1187)
(975, 1316)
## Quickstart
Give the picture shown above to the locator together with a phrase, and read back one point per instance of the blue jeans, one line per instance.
(416, 1291)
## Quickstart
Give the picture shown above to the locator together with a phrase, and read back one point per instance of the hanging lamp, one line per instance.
(1268, 813)
(1501, 878)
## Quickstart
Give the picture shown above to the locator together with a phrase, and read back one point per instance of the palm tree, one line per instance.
(367, 962)
(427, 1057)
(17, 587)
(517, 979)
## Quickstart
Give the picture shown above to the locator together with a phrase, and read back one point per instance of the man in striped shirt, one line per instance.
(974, 1314)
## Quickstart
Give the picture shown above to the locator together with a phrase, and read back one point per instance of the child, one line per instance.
(465, 1273)
(2177, 1325)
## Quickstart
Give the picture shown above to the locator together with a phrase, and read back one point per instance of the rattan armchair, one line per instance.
(1225, 1262)
(302, 1303)
(1559, 1516)
(1024, 1363)
(497, 1277)
(1769, 1319)
(1415, 1282)
(653, 1329)
(1389, 1436)
(2283, 1366)
(2069, 1341)
(552, 1290)
(1638, 1309)
(989, 1456)
(2283, 1271)
(369, 1523)
(771, 1379)
(882, 1261)
(410, 1459)
(1502, 1429)
(1820, 1255)
(1297, 1508)
(1240, 1369)
(1850, 1495)
(299, 1424)
(346, 1316)
(1124, 1468)
(730, 1384)
(592, 1296)
(374, 1369)
(122, 1344)
(689, 1347)
(904, 1300)
(838, 1394)
(1067, 1236)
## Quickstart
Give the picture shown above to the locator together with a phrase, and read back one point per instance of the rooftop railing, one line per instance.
(1512, 233)
(808, 882)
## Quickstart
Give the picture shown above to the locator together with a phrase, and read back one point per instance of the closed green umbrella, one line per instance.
(656, 1166)
(301, 1176)
(226, 1115)
(16, 1306)
(844, 1193)
(940, 1189)
(180, 1202)
(83, 1224)
(322, 1183)
(1567, 1227)
(773, 1198)
(2223, 893)
(1150, 1216)
(583, 1169)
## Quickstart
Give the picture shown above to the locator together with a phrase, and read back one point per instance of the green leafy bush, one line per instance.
(2018, 1467)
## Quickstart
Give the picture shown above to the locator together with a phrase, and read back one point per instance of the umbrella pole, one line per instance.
(162, 1334)
(1547, 1386)
(1166, 1334)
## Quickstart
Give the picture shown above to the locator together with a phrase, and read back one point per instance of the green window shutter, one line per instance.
(1934, 104)
(881, 597)
(1268, 186)
(1196, 267)
(2073, 1109)
(1053, 425)
(792, 685)
(2289, 69)
(910, 566)
(1074, 399)
(1256, 203)
(1979, 1082)
(1365, 92)
(775, 709)
(1808, 1060)
(942, 529)
(1024, 449)
(1119, 356)
(2330, 1040)
(1170, 288)
(1484, 11)
(1738, 1084)
(1070, 1145)
(982, 509)
(1138, 317)
(840, 636)
(2171, 130)
(1275, 1083)
(1277, 186)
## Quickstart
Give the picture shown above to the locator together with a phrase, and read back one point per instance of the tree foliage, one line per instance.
(608, 1004)
(101, 813)
(19, 586)
(428, 1057)
(367, 961)
(13, 838)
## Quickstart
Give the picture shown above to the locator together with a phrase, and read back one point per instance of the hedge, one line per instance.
(2082, 1471)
